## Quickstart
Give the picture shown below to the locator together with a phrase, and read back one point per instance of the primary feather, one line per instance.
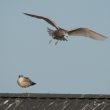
(44, 18)
(87, 33)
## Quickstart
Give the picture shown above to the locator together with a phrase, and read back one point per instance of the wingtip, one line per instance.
(104, 38)
(33, 83)
(25, 13)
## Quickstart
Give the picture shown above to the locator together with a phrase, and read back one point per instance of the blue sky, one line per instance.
(79, 66)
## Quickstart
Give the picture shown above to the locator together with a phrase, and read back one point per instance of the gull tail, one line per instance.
(50, 32)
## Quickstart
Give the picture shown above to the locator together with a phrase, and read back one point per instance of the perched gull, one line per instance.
(24, 82)
(59, 33)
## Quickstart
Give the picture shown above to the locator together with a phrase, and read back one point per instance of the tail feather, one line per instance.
(50, 32)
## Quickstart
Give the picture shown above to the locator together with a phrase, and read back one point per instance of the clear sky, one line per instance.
(79, 66)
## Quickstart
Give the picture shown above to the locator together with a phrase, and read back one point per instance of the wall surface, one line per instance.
(33, 101)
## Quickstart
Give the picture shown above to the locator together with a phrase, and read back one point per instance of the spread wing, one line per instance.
(45, 19)
(87, 33)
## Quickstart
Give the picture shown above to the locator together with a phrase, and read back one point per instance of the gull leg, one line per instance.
(64, 39)
(56, 42)
(50, 41)
(25, 90)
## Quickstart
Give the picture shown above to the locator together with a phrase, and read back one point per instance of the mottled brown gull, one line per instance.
(61, 34)
(24, 82)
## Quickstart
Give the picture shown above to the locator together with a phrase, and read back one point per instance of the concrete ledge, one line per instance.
(48, 95)
(38, 101)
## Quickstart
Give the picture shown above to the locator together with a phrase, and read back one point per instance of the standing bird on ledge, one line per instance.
(24, 82)
(59, 33)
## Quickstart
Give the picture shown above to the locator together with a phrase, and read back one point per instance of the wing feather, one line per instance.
(87, 33)
(45, 19)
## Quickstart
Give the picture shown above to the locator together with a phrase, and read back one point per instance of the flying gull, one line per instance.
(61, 34)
